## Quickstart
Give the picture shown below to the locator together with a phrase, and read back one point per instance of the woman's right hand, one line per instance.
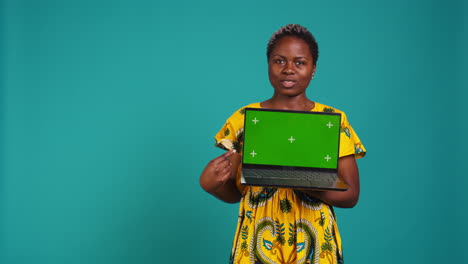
(219, 177)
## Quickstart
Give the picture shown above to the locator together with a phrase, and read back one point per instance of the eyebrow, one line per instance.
(300, 57)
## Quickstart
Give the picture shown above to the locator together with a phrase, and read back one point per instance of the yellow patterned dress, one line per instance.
(281, 225)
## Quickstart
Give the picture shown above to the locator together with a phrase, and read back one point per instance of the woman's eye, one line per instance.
(300, 62)
(279, 61)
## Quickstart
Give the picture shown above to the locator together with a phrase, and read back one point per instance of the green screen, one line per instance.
(291, 138)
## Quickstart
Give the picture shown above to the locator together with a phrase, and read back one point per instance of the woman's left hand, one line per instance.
(348, 171)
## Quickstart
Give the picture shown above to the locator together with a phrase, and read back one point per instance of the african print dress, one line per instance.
(281, 225)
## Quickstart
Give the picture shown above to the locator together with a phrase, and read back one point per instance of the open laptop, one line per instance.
(293, 149)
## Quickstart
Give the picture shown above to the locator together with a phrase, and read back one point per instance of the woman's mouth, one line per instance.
(288, 84)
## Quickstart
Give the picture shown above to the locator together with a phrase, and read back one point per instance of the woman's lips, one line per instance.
(288, 84)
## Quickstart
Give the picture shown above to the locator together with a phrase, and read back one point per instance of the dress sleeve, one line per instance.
(230, 136)
(349, 140)
(225, 138)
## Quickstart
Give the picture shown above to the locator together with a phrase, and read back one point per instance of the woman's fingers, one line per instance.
(220, 165)
(224, 166)
(222, 161)
(223, 157)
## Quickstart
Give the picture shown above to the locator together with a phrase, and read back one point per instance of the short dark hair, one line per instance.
(295, 30)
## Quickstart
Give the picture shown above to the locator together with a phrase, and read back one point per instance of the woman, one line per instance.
(282, 225)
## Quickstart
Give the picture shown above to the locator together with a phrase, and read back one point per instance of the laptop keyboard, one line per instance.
(290, 178)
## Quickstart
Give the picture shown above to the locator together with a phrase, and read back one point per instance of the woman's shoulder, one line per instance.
(319, 107)
(252, 105)
(239, 113)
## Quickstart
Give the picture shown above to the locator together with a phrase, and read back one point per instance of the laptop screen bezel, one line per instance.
(290, 111)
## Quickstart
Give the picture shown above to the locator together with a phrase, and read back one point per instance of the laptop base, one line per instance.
(287, 177)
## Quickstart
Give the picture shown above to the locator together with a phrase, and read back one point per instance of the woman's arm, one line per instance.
(219, 177)
(348, 170)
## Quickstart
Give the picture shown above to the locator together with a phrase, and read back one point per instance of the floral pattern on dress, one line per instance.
(281, 225)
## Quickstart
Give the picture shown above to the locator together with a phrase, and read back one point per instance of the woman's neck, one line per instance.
(298, 103)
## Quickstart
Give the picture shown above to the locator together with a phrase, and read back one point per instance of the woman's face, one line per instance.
(290, 66)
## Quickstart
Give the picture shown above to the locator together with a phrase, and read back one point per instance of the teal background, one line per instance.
(108, 111)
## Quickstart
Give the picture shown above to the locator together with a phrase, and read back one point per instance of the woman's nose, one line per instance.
(288, 68)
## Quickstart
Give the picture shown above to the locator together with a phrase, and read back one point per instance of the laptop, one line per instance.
(292, 149)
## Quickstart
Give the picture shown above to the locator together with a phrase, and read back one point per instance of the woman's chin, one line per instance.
(288, 92)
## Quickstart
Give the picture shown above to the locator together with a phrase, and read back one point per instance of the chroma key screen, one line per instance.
(291, 138)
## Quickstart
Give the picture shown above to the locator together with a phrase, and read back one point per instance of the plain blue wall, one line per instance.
(109, 110)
